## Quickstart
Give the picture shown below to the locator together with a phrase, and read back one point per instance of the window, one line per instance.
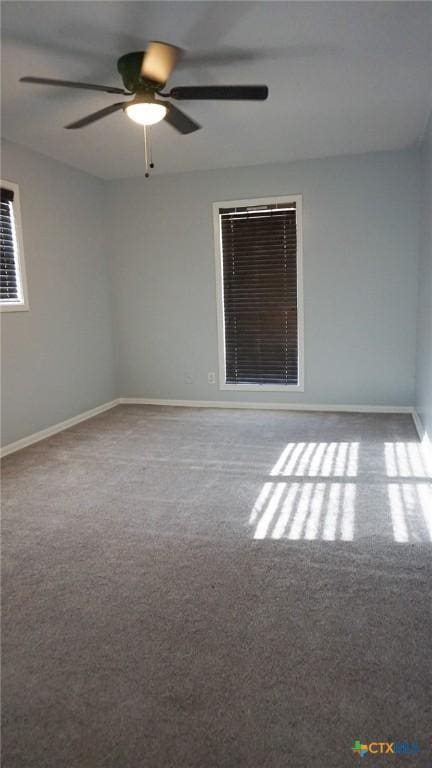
(260, 295)
(13, 290)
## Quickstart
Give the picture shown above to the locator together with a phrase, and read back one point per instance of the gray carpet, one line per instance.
(199, 588)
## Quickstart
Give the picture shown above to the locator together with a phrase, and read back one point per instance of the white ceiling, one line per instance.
(344, 77)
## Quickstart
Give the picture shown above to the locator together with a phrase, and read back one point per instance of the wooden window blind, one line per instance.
(259, 271)
(9, 282)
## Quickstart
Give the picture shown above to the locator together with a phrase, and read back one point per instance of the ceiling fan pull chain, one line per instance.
(150, 148)
(146, 154)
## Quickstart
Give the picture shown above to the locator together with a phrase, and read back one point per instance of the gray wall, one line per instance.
(360, 254)
(57, 358)
(360, 278)
(424, 324)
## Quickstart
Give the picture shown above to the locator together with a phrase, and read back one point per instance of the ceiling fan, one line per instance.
(144, 75)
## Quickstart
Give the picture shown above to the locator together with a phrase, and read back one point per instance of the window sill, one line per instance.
(262, 387)
(14, 308)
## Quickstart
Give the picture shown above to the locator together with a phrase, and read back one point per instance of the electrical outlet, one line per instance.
(211, 377)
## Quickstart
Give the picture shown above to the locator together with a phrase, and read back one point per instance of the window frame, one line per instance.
(249, 387)
(17, 306)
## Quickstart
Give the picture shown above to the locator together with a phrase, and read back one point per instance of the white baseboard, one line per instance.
(44, 433)
(266, 406)
(425, 443)
(418, 424)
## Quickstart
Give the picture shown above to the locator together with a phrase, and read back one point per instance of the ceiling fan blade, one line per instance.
(180, 121)
(72, 84)
(251, 92)
(88, 119)
(159, 61)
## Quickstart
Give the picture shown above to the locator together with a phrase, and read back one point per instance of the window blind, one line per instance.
(9, 290)
(259, 254)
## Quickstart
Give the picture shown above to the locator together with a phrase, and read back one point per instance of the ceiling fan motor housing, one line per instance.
(129, 67)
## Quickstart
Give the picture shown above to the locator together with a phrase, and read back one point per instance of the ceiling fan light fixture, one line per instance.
(146, 113)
